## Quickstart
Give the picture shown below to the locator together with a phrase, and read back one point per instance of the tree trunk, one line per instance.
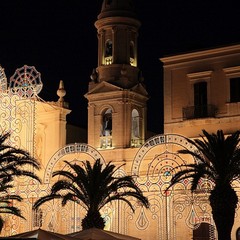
(93, 219)
(223, 200)
(1, 224)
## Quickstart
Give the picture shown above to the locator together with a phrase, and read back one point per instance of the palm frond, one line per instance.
(11, 210)
(14, 163)
(93, 186)
(218, 159)
(44, 199)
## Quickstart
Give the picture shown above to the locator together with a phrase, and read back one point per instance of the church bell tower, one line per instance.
(116, 95)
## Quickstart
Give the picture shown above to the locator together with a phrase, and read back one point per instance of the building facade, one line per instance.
(200, 92)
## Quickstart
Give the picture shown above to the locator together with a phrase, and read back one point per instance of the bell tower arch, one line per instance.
(116, 95)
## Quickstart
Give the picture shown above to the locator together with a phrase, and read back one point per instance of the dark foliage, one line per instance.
(217, 159)
(93, 187)
(13, 163)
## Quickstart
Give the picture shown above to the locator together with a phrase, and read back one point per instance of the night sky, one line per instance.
(58, 37)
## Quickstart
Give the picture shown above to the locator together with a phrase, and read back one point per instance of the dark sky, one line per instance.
(58, 37)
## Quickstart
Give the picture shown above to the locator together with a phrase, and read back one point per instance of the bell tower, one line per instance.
(116, 95)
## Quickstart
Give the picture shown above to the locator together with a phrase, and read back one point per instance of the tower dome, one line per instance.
(114, 8)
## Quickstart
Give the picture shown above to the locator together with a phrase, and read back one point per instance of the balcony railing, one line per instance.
(106, 142)
(203, 111)
(136, 142)
(108, 60)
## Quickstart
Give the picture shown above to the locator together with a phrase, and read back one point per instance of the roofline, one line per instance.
(197, 55)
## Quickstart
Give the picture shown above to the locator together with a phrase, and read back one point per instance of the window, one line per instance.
(106, 130)
(200, 99)
(199, 96)
(107, 123)
(232, 84)
(135, 139)
(135, 124)
(235, 89)
(108, 48)
(108, 52)
(132, 50)
(132, 54)
(200, 108)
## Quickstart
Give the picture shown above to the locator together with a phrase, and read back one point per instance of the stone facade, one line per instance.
(198, 94)
(200, 91)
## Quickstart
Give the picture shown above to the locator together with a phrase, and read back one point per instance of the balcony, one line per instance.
(195, 112)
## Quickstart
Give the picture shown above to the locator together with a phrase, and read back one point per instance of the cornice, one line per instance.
(199, 55)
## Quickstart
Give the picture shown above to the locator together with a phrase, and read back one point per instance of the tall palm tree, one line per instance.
(93, 187)
(217, 159)
(13, 163)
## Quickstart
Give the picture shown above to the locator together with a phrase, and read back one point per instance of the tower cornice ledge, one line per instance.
(113, 21)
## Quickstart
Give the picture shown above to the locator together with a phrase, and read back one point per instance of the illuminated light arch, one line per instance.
(153, 168)
(160, 139)
(3, 80)
(67, 150)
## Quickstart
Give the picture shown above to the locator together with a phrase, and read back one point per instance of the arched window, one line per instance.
(132, 53)
(108, 48)
(108, 52)
(107, 123)
(106, 130)
(135, 139)
(135, 124)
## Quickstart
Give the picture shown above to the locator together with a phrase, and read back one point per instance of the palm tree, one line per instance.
(13, 163)
(6, 203)
(217, 159)
(93, 187)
